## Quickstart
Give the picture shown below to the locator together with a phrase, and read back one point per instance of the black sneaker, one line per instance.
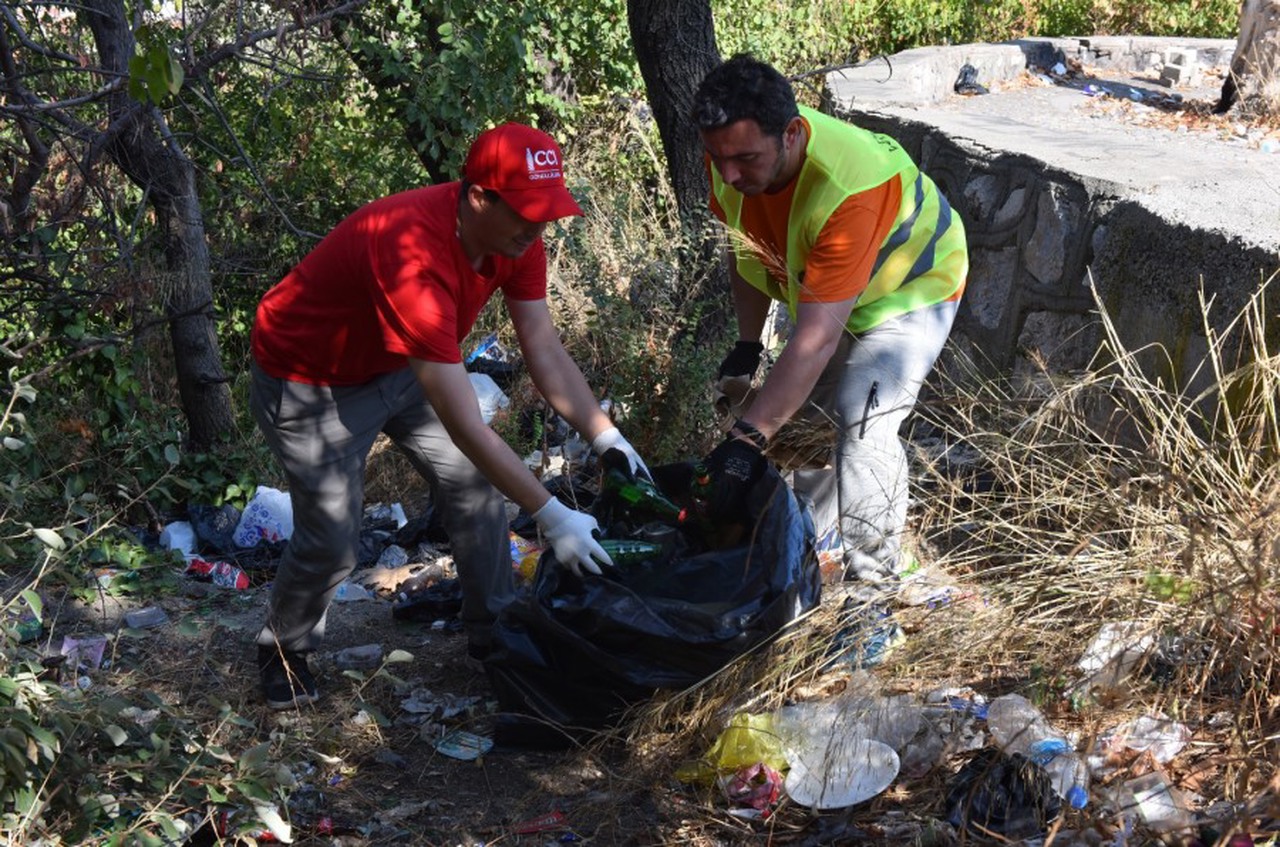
(287, 682)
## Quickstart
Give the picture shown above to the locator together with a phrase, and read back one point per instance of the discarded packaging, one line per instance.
(151, 616)
(488, 395)
(27, 628)
(180, 536)
(1001, 795)
(756, 786)
(810, 728)
(747, 740)
(349, 592)
(268, 517)
(84, 651)
(1160, 806)
(358, 658)
(393, 556)
(866, 641)
(466, 746)
(849, 772)
(1161, 737)
(223, 574)
(543, 823)
(1018, 727)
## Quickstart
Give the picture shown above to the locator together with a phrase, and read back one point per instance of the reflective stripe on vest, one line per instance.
(923, 259)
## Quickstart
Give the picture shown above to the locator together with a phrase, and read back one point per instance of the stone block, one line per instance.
(1176, 76)
(992, 275)
(1046, 252)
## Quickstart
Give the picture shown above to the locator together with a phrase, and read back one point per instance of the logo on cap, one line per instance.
(542, 164)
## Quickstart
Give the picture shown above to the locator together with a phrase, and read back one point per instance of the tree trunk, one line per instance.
(675, 46)
(138, 141)
(1255, 67)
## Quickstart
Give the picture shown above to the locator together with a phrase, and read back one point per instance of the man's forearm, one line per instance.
(561, 382)
(750, 306)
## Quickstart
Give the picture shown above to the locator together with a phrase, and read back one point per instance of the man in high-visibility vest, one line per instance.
(840, 225)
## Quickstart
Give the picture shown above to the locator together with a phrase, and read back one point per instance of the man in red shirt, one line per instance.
(363, 337)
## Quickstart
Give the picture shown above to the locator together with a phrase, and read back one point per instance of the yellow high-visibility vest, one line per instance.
(922, 261)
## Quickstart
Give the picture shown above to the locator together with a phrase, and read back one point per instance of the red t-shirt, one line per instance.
(389, 282)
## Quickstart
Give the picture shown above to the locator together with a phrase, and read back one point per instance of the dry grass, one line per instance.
(1058, 506)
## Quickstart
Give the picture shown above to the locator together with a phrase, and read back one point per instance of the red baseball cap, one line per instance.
(524, 166)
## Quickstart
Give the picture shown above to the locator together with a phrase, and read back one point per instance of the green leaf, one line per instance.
(137, 78)
(189, 628)
(255, 756)
(11, 443)
(446, 32)
(50, 538)
(397, 656)
(117, 735)
(168, 827)
(34, 603)
(171, 454)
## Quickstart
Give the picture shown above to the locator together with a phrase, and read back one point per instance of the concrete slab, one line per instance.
(1076, 189)
(1197, 179)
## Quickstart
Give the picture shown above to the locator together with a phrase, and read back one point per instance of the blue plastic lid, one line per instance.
(1046, 749)
(1077, 797)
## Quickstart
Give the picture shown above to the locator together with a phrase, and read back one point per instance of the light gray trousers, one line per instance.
(868, 389)
(322, 436)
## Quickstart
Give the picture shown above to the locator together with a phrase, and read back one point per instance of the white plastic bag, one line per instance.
(181, 536)
(489, 395)
(268, 517)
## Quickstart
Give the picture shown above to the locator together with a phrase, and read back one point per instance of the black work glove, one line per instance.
(734, 467)
(743, 360)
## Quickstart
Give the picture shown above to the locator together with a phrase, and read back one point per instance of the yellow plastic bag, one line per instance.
(747, 740)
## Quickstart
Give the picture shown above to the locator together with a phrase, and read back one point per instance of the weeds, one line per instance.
(1059, 505)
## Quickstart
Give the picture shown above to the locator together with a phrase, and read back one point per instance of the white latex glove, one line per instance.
(611, 439)
(569, 532)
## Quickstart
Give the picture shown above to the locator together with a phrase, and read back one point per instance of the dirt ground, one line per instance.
(377, 784)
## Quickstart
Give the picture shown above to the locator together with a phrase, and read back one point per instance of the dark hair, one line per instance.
(744, 88)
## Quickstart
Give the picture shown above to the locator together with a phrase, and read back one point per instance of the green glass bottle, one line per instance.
(628, 551)
(639, 494)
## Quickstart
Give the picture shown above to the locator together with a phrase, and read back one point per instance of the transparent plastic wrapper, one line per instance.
(1018, 727)
(577, 652)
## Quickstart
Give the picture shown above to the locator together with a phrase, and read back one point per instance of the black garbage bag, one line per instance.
(577, 652)
(1002, 795)
(215, 525)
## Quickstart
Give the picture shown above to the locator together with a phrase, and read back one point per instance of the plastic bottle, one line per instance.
(639, 494)
(1018, 727)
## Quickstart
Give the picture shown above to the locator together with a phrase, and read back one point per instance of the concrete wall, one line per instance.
(1040, 235)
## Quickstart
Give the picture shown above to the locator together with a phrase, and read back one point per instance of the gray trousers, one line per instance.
(322, 437)
(868, 389)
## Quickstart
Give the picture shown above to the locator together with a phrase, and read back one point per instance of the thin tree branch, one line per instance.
(207, 97)
(226, 51)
